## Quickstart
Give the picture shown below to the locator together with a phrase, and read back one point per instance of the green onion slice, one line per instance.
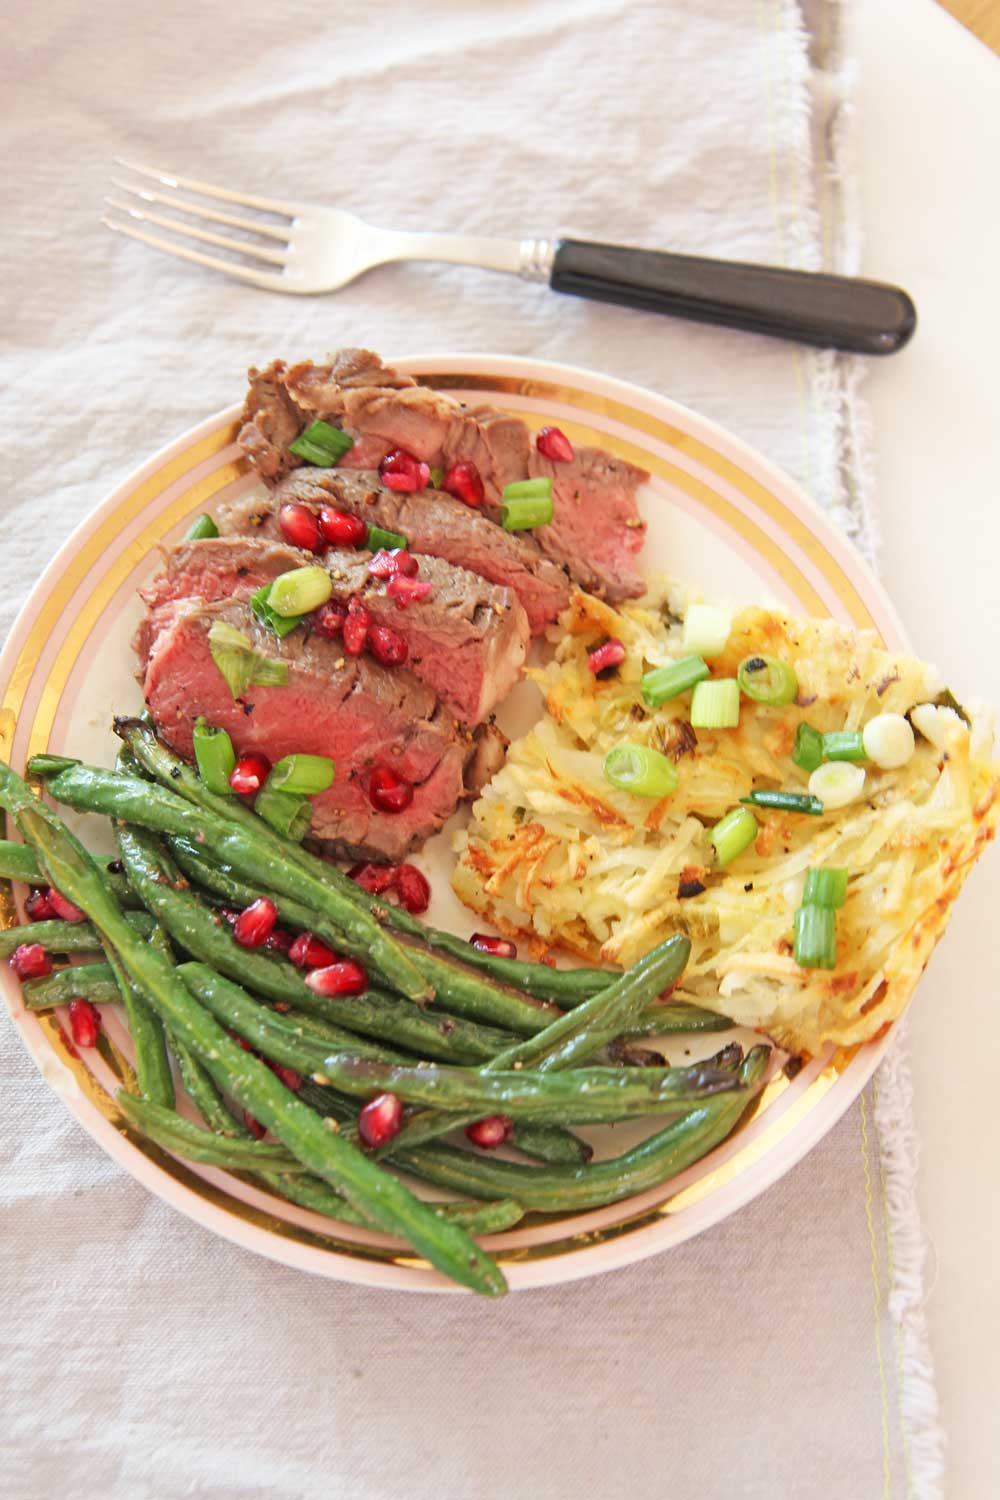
(321, 445)
(815, 937)
(844, 744)
(526, 504)
(733, 833)
(716, 704)
(259, 603)
(706, 630)
(299, 591)
(807, 751)
(641, 770)
(306, 774)
(670, 681)
(239, 663)
(436, 479)
(765, 679)
(799, 802)
(825, 888)
(286, 812)
(201, 530)
(215, 757)
(385, 541)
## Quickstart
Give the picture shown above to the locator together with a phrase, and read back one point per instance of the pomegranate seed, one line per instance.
(250, 773)
(407, 591)
(64, 910)
(389, 792)
(356, 628)
(341, 529)
(39, 908)
(30, 961)
(498, 946)
(380, 1119)
(288, 1076)
(413, 889)
(387, 646)
(255, 1128)
(491, 1132)
(611, 654)
(299, 526)
(401, 471)
(464, 481)
(553, 443)
(392, 564)
(241, 1041)
(375, 879)
(279, 941)
(345, 977)
(328, 621)
(308, 952)
(254, 926)
(84, 1022)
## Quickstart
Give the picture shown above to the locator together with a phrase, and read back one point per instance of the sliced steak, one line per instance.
(467, 640)
(362, 716)
(434, 524)
(594, 497)
(596, 531)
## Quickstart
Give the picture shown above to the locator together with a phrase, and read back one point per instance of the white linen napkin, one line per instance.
(782, 1353)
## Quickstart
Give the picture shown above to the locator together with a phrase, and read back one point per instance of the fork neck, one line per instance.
(529, 259)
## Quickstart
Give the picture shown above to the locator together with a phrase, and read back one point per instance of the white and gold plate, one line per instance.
(717, 512)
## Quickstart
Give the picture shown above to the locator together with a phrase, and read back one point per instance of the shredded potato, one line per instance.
(556, 854)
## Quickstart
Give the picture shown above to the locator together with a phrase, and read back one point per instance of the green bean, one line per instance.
(93, 982)
(64, 937)
(572, 1189)
(161, 811)
(428, 1033)
(596, 1022)
(666, 1017)
(248, 1081)
(149, 1042)
(50, 765)
(565, 986)
(18, 863)
(578, 1096)
(200, 1088)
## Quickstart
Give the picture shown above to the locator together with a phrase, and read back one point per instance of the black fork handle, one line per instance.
(810, 307)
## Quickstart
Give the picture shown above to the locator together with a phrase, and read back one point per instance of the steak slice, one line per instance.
(594, 497)
(596, 529)
(467, 640)
(434, 524)
(348, 708)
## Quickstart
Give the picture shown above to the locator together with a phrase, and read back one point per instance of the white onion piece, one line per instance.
(888, 741)
(836, 783)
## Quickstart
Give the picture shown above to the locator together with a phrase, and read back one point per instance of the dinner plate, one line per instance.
(718, 513)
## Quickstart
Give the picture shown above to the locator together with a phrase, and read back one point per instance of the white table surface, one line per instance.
(931, 143)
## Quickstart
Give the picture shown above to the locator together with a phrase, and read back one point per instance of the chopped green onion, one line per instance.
(321, 445)
(800, 802)
(837, 783)
(765, 679)
(239, 663)
(270, 617)
(286, 812)
(215, 757)
(807, 751)
(825, 888)
(888, 741)
(844, 744)
(815, 937)
(307, 774)
(436, 479)
(299, 591)
(716, 704)
(385, 541)
(706, 630)
(640, 769)
(733, 833)
(668, 682)
(526, 504)
(201, 530)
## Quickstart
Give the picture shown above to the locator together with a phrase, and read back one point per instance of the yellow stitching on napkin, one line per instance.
(877, 1305)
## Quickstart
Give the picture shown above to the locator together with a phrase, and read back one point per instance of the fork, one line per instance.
(314, 249)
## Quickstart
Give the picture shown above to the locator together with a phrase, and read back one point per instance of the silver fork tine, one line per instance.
(248, 200)
(191, 231)
(269, 279)
(258, 226)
